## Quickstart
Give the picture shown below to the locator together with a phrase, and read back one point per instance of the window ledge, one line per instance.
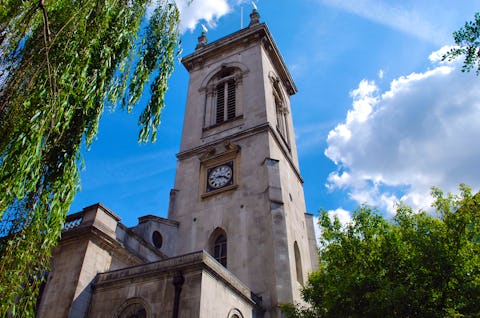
(237, 118)
(214, 192)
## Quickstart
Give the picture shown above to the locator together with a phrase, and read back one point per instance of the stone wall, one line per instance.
(207, 289)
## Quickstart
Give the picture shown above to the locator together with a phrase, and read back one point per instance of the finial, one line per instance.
(202, 39)
(254, 16)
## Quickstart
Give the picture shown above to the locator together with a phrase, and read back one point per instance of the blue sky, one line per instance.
(378, 117)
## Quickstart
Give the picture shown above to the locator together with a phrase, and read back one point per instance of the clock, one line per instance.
(220, 176)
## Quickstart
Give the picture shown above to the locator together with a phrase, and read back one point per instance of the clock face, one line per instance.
(220, 176)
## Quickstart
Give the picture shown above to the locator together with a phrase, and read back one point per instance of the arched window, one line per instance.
(220, 250)
(235, 313)
(223, 96)
(298, 263)
(218, 246)
(281, 112)
(132, 308)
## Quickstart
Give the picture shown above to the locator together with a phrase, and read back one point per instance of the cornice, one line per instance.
(265, 127)
(258, 33)
(195, 261)
(103, 240)
(200, 150)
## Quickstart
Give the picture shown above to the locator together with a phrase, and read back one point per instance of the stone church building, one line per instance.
(237, 241)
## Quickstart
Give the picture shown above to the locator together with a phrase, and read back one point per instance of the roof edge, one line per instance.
(258, 31)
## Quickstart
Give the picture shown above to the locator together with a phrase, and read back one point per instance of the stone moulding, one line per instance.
(200, 260)
(259, 32)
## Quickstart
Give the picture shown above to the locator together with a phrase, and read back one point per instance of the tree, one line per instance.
(60, 62)
(467, 40)
(416, 265)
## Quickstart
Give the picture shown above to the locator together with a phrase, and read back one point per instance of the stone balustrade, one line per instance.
(72, 221)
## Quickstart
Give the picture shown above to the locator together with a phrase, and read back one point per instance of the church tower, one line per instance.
(238, 191)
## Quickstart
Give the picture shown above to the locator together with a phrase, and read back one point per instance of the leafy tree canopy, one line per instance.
(468, 45)
(61, 61)
(416, 265)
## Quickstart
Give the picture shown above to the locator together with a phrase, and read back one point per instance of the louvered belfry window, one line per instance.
(226, 101)
(230, 99)
(220, 103)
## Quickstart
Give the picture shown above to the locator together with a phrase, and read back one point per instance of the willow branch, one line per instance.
(46, 28)
(46, 40)
(51, 78)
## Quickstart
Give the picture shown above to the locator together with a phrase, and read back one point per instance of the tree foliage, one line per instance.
(416, 265)
(467, 40)
(61, 61)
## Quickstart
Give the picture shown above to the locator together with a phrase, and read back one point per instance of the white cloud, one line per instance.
(194, 12)
(208, 10)
(338, 180)
(364, 99)
(395, 145)
(342, 215)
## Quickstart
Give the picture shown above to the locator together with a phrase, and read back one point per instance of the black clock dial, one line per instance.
(220, 176)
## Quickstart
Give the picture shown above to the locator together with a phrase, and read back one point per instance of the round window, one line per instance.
(157, 239)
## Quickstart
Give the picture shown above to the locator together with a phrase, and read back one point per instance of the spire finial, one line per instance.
(202, 39)
(254, 16)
